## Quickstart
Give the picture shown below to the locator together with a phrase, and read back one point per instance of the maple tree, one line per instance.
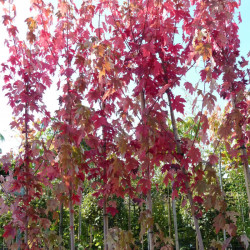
(119, 79)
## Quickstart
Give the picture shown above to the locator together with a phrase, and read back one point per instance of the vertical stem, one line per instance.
(149, 197)
(189, 194)
(177, 247)
(221, 187)
(61, 225)
(105, 215)
(69, 106)
(150, 231)
(105, 224)
(80, 222)
(26, 234)
(169, 216)
(129, 213)
(90, 238)
(142, 247)
(240, 208)
(244, 157)
(246, 175)
(26, 160)
(71, 222)
(18, 239)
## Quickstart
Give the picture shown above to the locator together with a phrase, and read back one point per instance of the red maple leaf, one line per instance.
(81, 176)
(9, 231)
(174, 194)
(189, 87)
(177, 104)
(113, 211)
(75, 199)
(219, 222)
(194, 154)
(198, 199)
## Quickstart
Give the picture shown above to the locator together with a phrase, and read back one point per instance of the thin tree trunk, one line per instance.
(80, 222)
(244, 157)
(169, 216)
(71, 222)
(247, 175)
(26, 234)
(196, 243)
(189, 194)
(149, 198)
(105, 214)
(177, 246)
(142, 243)
(61, 225)
(105, 224)
(221, 187)
(150, 231)
(129, 213)
(91, 237)
(18, 239)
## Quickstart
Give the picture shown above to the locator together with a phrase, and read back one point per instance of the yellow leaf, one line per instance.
(108, 93)
(101, 73)
(199, 47)
(101, 50)
(107, 65)
(31, 24)
(204, 49)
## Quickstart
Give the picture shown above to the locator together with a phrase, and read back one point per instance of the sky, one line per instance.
(22, 6)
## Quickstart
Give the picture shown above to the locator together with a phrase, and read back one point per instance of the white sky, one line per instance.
(12, 140)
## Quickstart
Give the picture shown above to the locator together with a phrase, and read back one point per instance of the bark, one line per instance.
(105, 215)
(189, 194)
(150, 231)
(177, 246)
(80, 223)
(26, 235)
(105, 224)
(91, 237)
(71, 222)
(61, 225)
(27, 161)
(244, 157)
(129, 213)
(169, 216)
(149, 198)
(246, 175)
(221, 187)
(18, 239)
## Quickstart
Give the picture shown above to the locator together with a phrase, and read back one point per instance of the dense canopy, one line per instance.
(153, 107)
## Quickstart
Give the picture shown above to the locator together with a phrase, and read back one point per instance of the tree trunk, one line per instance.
(129, 213)
(150, 231)
(189, 194)
(80, 222)
(26, 234)
(196, 243)
(61, 225)
(221, 187)
(244, 157)
(169, 216)
(91, 236)
(149, 198)
(71, 222)
(105, 224)
(177, 246)
(247, 175)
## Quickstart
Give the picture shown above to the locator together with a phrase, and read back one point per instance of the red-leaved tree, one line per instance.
(120, 68)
